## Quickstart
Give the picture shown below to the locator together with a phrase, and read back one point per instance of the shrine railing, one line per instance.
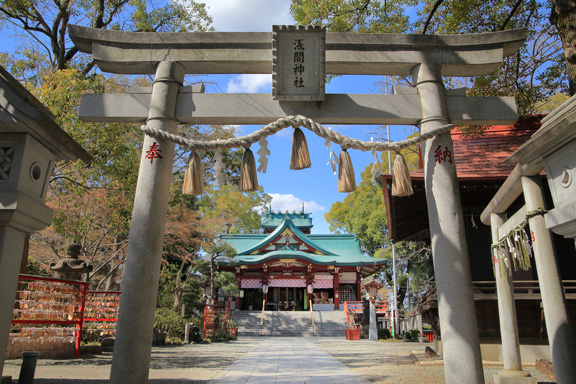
(523, 290)
(56, 310)
(430, 335)
(382, 308)
(353, 313)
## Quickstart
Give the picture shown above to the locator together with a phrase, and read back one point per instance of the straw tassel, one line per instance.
(300, 158)
(401, 182)
(248, 178)
(194, 176)
(346, 178)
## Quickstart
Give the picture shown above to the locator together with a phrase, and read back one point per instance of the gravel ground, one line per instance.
(402, 363)
(187, 364)
(378, 362)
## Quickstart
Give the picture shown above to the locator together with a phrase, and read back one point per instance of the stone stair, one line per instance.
(291, 323)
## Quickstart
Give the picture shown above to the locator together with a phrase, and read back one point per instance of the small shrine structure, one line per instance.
(551, 149)
(286, 267)
(510, 289)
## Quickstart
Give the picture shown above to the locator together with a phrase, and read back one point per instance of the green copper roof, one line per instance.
(285, 224)
(322, 249)
(274, 220)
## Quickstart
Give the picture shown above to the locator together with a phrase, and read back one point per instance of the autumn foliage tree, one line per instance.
(92, 204)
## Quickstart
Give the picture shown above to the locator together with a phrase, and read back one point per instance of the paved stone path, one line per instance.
(290, 361)
(266, 360)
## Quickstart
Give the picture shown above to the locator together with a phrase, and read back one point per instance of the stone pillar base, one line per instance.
(514, 377)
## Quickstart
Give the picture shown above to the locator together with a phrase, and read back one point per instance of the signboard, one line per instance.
(209, 320)
(298, 62)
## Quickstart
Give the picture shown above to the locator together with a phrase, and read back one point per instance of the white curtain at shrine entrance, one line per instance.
(348, 278)
(323, 281)
(282, 282)
(251, 283)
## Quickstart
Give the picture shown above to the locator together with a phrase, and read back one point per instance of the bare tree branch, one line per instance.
(70, 180)
(434, 8)
(113, 12)
(99, 18)
(511, 14)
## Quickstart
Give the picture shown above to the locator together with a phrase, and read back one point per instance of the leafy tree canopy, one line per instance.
(362, 213)
(542, 68)
(93, 204)
(42, 25)
(363, 16)
(230, 211)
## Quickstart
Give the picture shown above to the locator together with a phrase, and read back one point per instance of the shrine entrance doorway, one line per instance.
(252, 300)
(287, 299)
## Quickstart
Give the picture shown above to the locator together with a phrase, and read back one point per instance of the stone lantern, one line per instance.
(71, 268)
(372, 288)
(30, 144)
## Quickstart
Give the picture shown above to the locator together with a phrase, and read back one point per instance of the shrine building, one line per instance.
(285, 267)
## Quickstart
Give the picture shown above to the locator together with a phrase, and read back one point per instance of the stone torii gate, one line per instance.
(170, 56)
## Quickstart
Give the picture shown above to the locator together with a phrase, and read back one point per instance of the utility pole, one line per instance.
(395, 307)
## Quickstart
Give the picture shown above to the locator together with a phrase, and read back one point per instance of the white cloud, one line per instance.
(250, 84)
(289, 202)
(248, 15)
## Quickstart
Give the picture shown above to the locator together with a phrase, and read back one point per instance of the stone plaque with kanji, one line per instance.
(298, 63)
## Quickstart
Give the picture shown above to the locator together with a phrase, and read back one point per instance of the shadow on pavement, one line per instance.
(88, 381)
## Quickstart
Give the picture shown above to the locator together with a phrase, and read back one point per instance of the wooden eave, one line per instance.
(481, 171)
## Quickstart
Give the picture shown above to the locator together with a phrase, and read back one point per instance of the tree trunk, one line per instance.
(108, 278)
(211, 298)
(563, 16)
(112, 278)
(25, 254)
(178, 289)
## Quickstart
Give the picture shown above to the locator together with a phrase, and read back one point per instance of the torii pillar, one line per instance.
(511, 357)
(460, 341)
(143, 260)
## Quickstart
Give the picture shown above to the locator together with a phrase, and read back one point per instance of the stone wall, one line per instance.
(53, 349)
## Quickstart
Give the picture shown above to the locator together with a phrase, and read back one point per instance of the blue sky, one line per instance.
(317, 187)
